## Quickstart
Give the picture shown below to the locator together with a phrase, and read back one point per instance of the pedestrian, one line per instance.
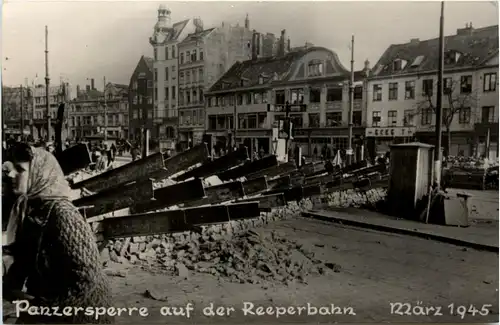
(113, 149)
(51, 246)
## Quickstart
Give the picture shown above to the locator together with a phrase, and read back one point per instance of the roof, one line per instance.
(272, 69)
(149, 62)
(195, 36)
(119, 86)
(177, 27)
(474, 45)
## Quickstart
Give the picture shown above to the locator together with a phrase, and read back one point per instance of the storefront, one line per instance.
(379, 140)
(255, 140)
(315, 141)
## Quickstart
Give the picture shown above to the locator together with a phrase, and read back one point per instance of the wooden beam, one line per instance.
(322, 179)
(172, 195)
(274, 171)
(74, 158)
(114, 199)
(147, 224)
(137, 170)
(186, 159)
(312, 168)
(267, 202)
(255, 185)
(218, 165)
(281, 182)
(243, 210)
(207, 215)
(219, 193)
(249, 168)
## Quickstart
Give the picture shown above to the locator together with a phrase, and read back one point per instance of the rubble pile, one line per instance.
(247, 257)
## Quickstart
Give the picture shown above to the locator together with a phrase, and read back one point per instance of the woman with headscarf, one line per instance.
(52, 246)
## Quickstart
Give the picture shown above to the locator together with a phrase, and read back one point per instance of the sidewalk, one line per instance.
(479, 235)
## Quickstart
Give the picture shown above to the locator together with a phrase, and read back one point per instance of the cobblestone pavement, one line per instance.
(375, 269)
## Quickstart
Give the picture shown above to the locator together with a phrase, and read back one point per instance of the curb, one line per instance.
(402, 231)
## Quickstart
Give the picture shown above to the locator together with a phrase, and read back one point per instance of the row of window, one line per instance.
(191, 75)
(191, 117)
(53, 99)
(191, 56)
(464, 117)
(259, 120)
(296, 97)
(168, 76)
(191, 96)
(113, 120)
(169, 53)
(157, 113)
(465, 87)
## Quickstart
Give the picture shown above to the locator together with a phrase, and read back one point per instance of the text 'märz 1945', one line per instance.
(419, 309)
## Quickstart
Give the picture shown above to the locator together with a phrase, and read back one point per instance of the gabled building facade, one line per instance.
(204, 57)
(402, 93)
(141, 107)
(250, 98)
(165, 39)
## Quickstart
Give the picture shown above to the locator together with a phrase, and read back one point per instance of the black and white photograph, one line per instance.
(232, 162)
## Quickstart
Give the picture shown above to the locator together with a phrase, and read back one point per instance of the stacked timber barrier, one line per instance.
(150, 206)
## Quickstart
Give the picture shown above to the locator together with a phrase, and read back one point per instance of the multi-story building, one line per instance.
(141, 94)
(87, 113)
(165, 39)
(254, 94)
(34, 108)
(403, 88)
(204, 57)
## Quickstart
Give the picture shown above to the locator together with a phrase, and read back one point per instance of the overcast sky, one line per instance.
(96, 39)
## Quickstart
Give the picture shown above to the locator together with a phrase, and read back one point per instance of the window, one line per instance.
(173, 52)
(314, 95)
(257, 98)
(181, 78)
(427, 87)
(261, 80)
(279, 97)
(150, 83)
(188, 56)
(166, 93)
(193, 56)
(488, 114)
(200, 73)
(193, 73)
(173, 72)
(201, 55)
(334, 119)
(166, 73)
(356, 118)
(393, 91)
(182, 58)
(392, 118)
(156, 75)
(426, 116)
(156, 94)
(376, 117)
(490, 82)
(447, 84)
(464, 115)
(314, 120)
(358, 92)
(466, 84)
(410, 90)
(173, 92)
(188, 97)
(249, 98)
(334, 94)
(297, 96)
(195, 96)
(297, 120)
(315, 69)
(188, 77)
(377, 93)
(155, 54)
(408, 118)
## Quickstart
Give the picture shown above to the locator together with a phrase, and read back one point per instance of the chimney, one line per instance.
(288, 45)
(414, 41)
(367, 65)
(247, 22)
(77, 90)
(92, 84)
(281, 46)
(467, 31)
(87, 88)
(255, 45)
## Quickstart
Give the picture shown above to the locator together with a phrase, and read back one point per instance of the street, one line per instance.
(374, 270)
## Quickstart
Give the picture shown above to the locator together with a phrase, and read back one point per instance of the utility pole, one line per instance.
(22, 113)
(439, 101)
(235, 120)
(105, 113)
(351, 106)
(47, 83)
(288, 126)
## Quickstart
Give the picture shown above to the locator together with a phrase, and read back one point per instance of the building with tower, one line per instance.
(165, 39)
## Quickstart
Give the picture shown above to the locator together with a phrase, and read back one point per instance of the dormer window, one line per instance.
(315, 68)
(452, 57)
(399, 64)
(261, 80)
(417, 62)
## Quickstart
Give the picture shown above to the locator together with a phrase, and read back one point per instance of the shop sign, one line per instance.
(390, 132)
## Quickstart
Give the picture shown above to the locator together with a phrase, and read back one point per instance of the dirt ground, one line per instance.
(376, 269)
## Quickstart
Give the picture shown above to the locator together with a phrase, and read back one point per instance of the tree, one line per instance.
(458, 99)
